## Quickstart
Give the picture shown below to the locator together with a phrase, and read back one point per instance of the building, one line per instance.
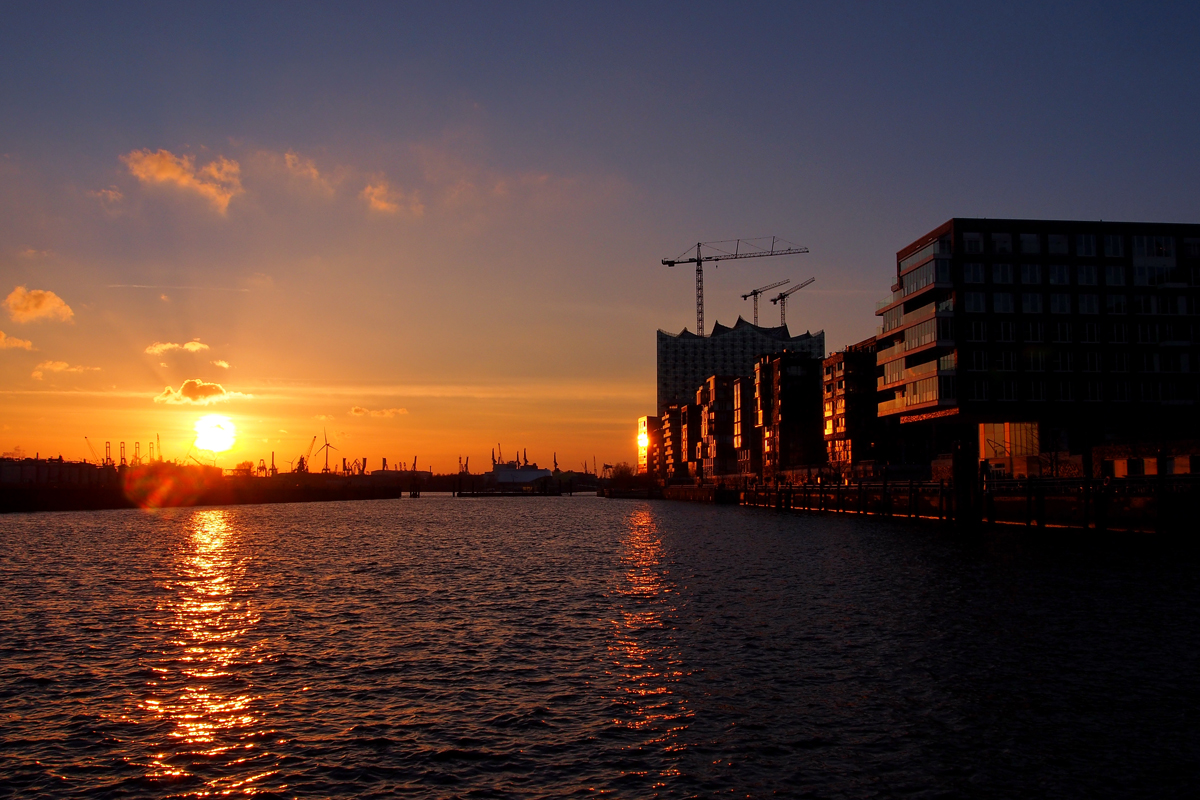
(787, 396)
(714, 399)
(850, 405)
(673, 460)
(689, 438)
(747, 439)
(685, 360)
(649, 440)
(1033, 341)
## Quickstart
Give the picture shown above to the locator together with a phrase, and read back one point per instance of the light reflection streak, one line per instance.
(647, 662)
(215, 722)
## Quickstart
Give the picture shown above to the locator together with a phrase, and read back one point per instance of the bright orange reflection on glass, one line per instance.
(647, 664)
(207, 605)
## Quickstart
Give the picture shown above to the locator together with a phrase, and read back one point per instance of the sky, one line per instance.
(425, 230)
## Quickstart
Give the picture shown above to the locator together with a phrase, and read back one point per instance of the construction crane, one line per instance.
(756, 292)
(302, 460)
(752, 250)
(782, 297)
(94, 453)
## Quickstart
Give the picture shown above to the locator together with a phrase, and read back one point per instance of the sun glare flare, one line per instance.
(215, 433)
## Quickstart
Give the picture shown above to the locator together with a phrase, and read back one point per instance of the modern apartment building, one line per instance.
(787, 397)
(849, 405)
(686, 360)
(1043, 335)
(649, 441)
(747, 440)
(714, 399)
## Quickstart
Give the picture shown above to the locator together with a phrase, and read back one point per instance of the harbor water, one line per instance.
(576, 646)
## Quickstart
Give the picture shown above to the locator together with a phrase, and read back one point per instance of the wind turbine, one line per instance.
(326, 447)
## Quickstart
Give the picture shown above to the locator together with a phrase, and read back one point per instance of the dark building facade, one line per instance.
(686, 360)
(747, 439)
(1027, 337)
(787, 396)
(649, 441)
(717, 455)
(671, 431)
(850, 405)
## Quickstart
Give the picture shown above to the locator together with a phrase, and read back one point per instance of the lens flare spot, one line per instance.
(215, 433)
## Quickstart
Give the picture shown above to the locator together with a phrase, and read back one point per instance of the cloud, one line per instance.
(197, 392)
(158, 348)
(30, 252)
(13, 343)
(223, 364)
(388, 413)
(381, 197)
(26, 306)
(58, 366)
(219, 181)
(108, 197)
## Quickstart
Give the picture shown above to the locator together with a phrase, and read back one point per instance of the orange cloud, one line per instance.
(218, 182)
(158, 348)
(57, 366)
(197, 392)
(13, 343)
(223, 364)
(359, 411)
(26, 306)
(381, 197)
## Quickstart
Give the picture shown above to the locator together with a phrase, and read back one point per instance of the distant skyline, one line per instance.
(432, 230)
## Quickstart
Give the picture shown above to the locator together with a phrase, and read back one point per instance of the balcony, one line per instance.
(909, 375)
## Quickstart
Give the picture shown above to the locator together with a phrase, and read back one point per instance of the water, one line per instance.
(562, 647)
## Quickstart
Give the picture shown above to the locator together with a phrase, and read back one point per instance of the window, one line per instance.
(975, 303)
(1145, 304)
(972, 242)
(1114, 303)
(1086, 275)
(1031, 273)
(1031, 303)
(1060, 275)
(1062, 332)
(1191, 248)
(979, 361)
(1120, 391)
(1060, 304)
(1091, 332)
(1120, 333)
(1064, 391)
(1091, 362)
(1005, 333)
(1114, 246)
(1150, 276)
(1035, 361)
(1002, 303)
(979, 389)
(1030, 244)
(1085, 245)
(1033, 331)
(977, 332)
(920, 335)
(1120, 362)
(1001, 242)
(1006, 361)
(1114, 275)
(1061, 361)
(1056, 244)
(1092, 392)
(1154, 246)
(972, 273)
(1089, 304)
(1037, 390)
(1147, 333)
(1002, 273)
(1008, 391)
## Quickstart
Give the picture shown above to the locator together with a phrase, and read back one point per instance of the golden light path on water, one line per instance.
(648, 665)
(214, 730)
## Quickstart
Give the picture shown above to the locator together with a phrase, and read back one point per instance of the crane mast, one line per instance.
(756, 251)
(782, 297)
(756, 292)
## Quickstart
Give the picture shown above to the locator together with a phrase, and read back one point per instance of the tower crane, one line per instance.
(782, 297)
(756, 292)
(742, 248)
(94, 453)
(302, 461)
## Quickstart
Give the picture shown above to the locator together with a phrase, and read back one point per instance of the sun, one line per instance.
(215, 433)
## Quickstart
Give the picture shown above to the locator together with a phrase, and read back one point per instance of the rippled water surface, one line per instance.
(555, 647)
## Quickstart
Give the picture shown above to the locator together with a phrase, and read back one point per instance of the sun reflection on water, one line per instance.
(647, 662)
(215, 724)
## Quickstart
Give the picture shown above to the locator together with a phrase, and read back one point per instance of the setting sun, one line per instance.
(215, 433)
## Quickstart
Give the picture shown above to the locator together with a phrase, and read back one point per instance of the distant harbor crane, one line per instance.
(782, 297)
(753, 250)
(756, 292)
